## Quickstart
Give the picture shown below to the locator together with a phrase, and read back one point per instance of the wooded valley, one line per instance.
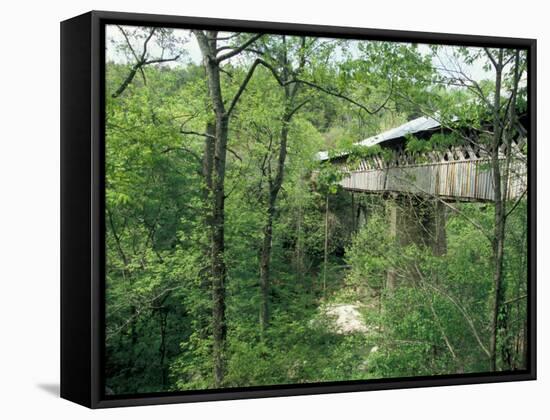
(236, 256)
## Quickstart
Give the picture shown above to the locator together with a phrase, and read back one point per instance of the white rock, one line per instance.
(347, 318)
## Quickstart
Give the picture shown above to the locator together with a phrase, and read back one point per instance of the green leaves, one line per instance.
(328, 178)
(158, 240)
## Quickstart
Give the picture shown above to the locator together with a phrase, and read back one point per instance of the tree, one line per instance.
(148, 203)
(212, 61)
(286, 58)
(506, 127)
(165, 40)
(490, 110)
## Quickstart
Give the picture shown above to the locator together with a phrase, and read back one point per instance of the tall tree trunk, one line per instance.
(207, 44)
(498, 240)
(208, 158)
(207, 41)
(163, 315)
(218, 250)
(204, 313)
(265, 255)
(503, 132)
(498, 257)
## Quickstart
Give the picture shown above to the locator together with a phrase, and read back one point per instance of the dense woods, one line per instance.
(234, 256)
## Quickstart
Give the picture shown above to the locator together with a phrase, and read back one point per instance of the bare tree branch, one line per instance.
(461, 309)
(141, 61)
(234, 154)
(197, 133)
(297, 108)
(442, 331)
(128, 43)
(283, 83)
(491, 57)
(238, 49)
(516, 203)
(144, 54)
(192, 153)
(161, 60)
(346, 98)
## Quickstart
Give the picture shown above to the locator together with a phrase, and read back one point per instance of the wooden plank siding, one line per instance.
(465, 179)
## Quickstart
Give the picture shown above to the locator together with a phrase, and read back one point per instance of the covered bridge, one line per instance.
(419, 187)
(458, 173)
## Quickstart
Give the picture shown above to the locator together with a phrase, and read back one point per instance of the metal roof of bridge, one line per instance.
(411, 127)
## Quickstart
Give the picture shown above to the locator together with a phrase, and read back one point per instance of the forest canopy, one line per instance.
(236, 256)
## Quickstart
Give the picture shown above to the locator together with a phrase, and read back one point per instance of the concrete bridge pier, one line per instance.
(413, 220)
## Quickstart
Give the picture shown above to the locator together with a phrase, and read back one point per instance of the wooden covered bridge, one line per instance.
(420, 186)
(458, 173)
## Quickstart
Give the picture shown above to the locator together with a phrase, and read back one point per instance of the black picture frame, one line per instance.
(82, 208)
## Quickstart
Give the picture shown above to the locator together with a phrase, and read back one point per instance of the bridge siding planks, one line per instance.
(468, 180)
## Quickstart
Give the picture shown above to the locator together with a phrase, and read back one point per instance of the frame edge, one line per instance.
(76, 261)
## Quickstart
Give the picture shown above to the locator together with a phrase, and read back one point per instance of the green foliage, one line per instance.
(158, 241)
(328, 178)
(431, 322)
(370, 254)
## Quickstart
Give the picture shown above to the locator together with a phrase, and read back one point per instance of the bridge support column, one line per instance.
(416, 221)
(437, 229)
(392, 214)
